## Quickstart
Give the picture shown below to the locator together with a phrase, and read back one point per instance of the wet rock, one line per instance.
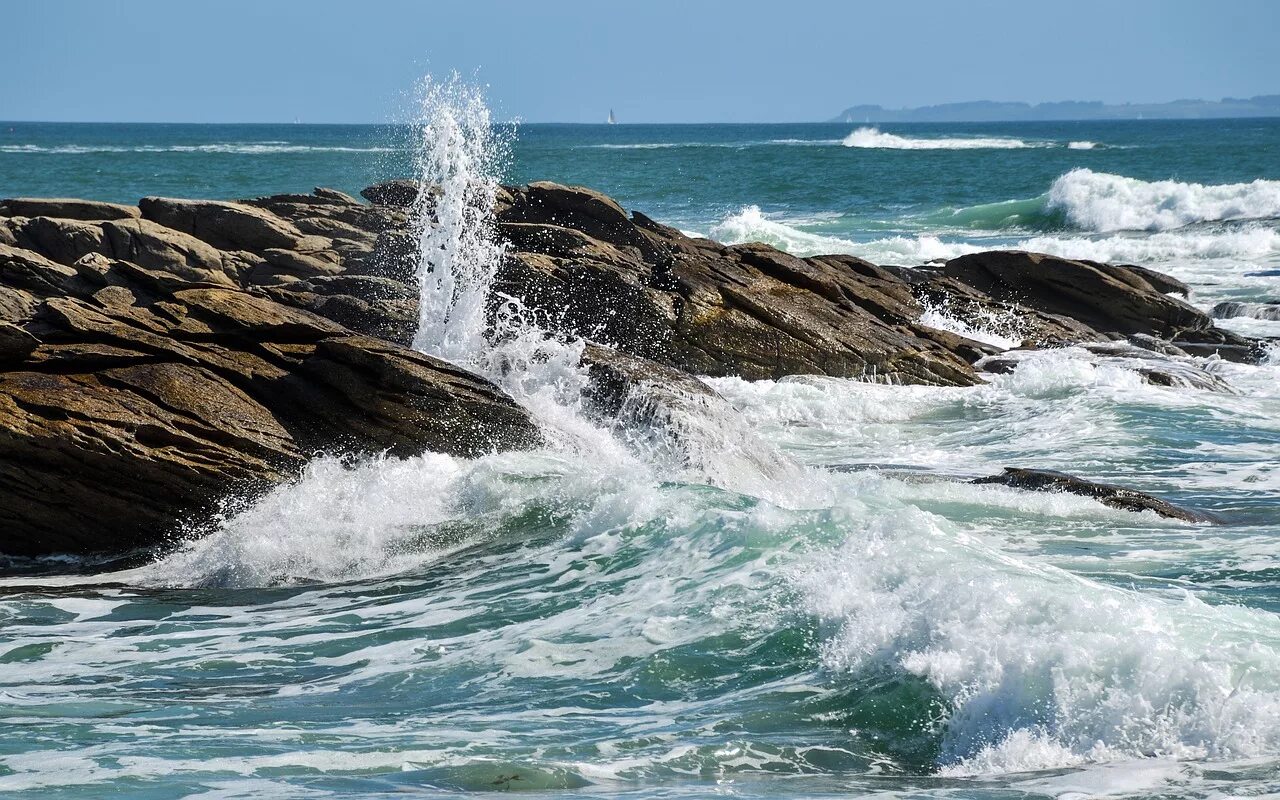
(695, 305)
(1041, 480)
(399, 193)
(148, 399)
(15, 343)
(617, 376)
(1231, 310)
(371, 305)
(1107, 298)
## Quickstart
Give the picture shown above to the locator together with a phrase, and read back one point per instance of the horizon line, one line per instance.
(519, 122)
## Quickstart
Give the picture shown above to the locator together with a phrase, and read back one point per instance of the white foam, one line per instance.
(1173, 249)
(1041, 668)
(874, 138)
(1081, 145)
(1100, 201)
(750, 224)
(996, 329)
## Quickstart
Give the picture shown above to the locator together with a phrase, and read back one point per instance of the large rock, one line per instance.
(155, 361)
(133, 400)
(1110, 299)
(139, 241)
(693, 304)
(227, 226)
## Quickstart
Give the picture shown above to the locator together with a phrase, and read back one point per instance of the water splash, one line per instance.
(459, 155)
(461, 321)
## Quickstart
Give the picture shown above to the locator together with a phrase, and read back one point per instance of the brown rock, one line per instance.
(226, 226)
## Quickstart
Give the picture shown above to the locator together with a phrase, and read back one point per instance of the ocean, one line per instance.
(812, 607)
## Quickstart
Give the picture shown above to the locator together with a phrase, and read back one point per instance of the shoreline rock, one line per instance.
(155, 360)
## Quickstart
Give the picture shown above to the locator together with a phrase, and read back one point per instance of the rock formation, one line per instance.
(157, 359)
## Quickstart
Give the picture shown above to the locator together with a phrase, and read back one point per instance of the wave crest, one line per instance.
(875, 138)
(1102, 202)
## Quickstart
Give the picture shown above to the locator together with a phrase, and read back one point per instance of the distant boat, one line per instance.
(612, 119)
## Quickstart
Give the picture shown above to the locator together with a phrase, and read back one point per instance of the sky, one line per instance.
(652, 61)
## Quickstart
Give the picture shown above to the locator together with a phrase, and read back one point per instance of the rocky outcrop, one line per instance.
(1043, 480)
(156, 360)
(694, 304)
(1052, 301)
(132, 399)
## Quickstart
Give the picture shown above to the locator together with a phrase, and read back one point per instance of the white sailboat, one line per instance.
(612, 119)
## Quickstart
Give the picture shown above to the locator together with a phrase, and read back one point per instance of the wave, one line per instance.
(750, 224)
(1099, 201)
(874, 138)
(238, 148)
(1082, 145)
(1036, 667)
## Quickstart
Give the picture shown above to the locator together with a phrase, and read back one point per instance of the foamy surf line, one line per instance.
(728, 145)
(751, 224)
(873, 138)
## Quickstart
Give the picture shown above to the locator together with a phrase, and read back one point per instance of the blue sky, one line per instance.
(343, 61)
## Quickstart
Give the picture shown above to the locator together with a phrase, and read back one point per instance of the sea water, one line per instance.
(785, 594)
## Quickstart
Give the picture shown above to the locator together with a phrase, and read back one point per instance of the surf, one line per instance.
(873, 138)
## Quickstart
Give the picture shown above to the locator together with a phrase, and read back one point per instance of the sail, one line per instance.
(612, 119)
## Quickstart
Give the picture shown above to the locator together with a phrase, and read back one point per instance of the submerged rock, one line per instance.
(1043, 480)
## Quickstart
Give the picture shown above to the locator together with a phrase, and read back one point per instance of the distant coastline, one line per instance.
(992, 111)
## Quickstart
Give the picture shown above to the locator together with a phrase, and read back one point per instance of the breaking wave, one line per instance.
(1100, 202)
(876, 139)
(751, 224)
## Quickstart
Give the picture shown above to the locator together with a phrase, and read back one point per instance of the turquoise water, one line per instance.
(800, 607)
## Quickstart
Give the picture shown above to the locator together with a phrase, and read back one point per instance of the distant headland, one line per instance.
(991, 111)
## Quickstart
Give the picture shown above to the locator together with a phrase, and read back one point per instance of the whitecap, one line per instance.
(874, 138)
(1102, 202)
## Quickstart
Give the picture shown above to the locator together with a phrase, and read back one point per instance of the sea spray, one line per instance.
(1098, 201)
(700, 437)
(458, 154)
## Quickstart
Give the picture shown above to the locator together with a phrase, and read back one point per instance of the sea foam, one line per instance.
(876, 139)
(1102, 202)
